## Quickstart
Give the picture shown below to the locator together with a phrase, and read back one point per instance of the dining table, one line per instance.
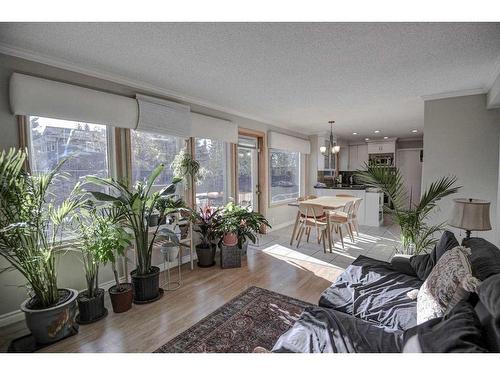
(329, 203)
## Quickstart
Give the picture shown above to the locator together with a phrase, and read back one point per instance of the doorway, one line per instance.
(248, 172)
(409, 163)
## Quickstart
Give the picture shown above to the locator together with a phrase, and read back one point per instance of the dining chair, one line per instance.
(314, 216)
(312, 196)
(354, 219)
(308, 230)
(341, 218)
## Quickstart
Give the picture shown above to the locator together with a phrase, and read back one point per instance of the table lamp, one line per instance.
(470, 214)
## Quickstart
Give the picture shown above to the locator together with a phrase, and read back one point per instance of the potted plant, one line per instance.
(416, 234)
(31, 227)
(136, 206)
(205, 222)
(100, 237)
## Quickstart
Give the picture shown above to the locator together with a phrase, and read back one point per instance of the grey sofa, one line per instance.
(367, 309)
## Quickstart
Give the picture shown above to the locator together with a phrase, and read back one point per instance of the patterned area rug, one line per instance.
(257, 317)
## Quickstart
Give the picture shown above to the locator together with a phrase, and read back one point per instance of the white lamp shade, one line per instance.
(322, 149)
(471, 214)
(335, 149)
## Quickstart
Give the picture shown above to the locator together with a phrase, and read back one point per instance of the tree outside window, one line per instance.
(284, 175)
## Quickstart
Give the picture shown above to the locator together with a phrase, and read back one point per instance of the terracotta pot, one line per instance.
(230, 239)
(121, 300)
(54, 323)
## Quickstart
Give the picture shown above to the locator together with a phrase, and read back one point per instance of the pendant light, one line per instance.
(332, 148)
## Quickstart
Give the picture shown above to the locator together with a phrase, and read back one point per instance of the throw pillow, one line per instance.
(423, 264)
(458, 331)
(449, 282)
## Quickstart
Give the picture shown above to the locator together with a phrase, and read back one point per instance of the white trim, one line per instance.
(132, 83)
(281, 226)
(11, 318)
(454, 94)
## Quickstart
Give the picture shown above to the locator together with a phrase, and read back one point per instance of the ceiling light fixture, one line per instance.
(354, 133)
(332, 148)
(377, 131)
(414, 131)
(367, 139)
(386, 137)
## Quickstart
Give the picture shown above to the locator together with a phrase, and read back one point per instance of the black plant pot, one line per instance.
(146, 287)
(91, 309)
(206, 255)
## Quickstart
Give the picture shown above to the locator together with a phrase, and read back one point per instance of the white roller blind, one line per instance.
(163, 117)
(45, 98)
(288, 143)
(213, 128)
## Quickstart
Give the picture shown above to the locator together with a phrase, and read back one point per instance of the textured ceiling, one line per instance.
(295, 75)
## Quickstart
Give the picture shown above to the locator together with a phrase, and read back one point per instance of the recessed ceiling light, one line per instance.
(377, 131)
(367, 139)
(414, 131)
(354, 133)
(386, 137)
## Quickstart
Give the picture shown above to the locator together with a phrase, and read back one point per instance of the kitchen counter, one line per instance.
(343, 187)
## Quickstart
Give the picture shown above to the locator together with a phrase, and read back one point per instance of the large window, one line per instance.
(213, 157)
(284, 174)
(84, 145)
(149, 150)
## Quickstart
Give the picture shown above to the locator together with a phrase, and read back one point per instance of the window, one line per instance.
(213, 157)
(284, 173)
(84, 145)
(148, 151)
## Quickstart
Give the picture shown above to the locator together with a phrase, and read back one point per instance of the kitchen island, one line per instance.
(371, 208)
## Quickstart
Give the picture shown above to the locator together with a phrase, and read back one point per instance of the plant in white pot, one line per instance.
(137, 205)
(31, 228)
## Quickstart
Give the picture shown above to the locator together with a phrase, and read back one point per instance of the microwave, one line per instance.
(386, 160)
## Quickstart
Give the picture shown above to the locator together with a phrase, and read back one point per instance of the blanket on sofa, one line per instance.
(374, 291)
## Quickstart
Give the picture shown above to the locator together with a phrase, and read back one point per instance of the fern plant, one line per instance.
(416, 235)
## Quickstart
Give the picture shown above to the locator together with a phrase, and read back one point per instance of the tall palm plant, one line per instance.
(136, 207)
(31, 225)
(416, 234)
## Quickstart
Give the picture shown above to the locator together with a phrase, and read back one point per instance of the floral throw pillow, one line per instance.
(449, 282)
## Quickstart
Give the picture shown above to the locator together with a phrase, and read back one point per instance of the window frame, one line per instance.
(269, 179)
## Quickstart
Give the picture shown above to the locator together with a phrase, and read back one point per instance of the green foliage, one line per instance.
(184, 166)
(101, 240)
(205, 222)
(31, 225)
(135, 207)
(242, 221)
(416, 234)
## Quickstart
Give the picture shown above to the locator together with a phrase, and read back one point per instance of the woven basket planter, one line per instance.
(230, 256)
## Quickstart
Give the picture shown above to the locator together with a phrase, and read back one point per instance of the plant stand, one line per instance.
(230, 256)
(167, 252)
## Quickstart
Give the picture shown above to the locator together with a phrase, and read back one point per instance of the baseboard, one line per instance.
(281, 226)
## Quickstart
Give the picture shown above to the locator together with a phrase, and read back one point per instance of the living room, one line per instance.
(253, 187)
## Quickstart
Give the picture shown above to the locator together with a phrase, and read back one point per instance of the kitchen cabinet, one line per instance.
(382, 147)
(358, 156)
(344, 158)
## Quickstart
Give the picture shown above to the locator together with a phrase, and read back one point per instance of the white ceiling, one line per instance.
(295, 75)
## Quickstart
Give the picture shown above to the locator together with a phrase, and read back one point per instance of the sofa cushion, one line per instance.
(485, 257)
(449, 282)
(423, 264)
(458, 331)
(488, 311)
(321, 330)
(372, 290)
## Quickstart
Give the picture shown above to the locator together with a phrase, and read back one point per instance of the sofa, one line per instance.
(369, 308)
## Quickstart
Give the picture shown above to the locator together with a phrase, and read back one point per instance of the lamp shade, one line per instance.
(471, 214)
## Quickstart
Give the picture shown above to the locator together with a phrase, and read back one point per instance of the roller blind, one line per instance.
(288, 143)
(45, 98)
(163, 117)
(213, 128)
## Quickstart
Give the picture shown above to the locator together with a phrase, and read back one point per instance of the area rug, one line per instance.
(257, 317)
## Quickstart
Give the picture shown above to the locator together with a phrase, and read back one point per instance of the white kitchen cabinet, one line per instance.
(382, 147)
(344, 158)
(358, 156)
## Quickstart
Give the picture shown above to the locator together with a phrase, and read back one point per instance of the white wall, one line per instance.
(461, 138)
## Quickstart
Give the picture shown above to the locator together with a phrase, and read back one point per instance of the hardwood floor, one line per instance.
(145, 328)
